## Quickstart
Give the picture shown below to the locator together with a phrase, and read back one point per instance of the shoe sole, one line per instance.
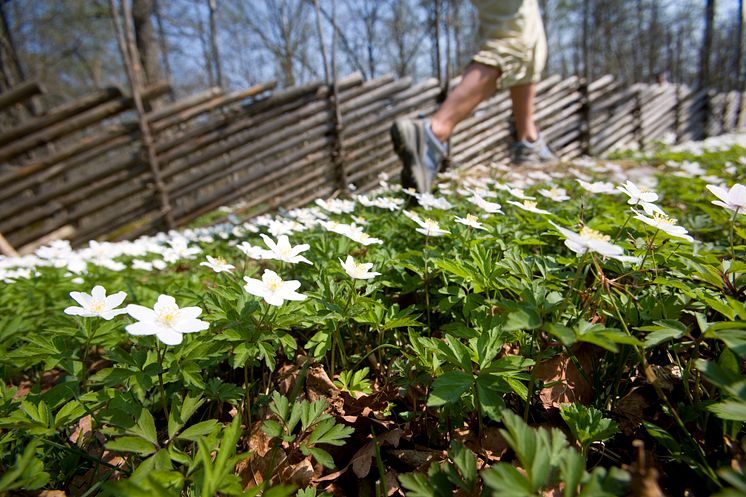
(413, 174)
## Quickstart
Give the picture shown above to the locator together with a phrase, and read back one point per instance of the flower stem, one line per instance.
(159, 355)
(621, 229)
(649, 250)
(732, 250)
(426, 278)
(89, 336)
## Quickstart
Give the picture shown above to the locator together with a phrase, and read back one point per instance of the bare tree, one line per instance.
(147, 45)
(212, 5)
(704, 60)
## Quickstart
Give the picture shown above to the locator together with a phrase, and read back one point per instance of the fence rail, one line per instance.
(81, 167)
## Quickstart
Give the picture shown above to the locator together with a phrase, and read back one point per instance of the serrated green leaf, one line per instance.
(449, 388)
(322, 456)
(329, 432)
(730, 409)
(198, 430)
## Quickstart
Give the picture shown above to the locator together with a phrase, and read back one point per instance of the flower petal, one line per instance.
(141, 313)
(169, 336)
(140, 328)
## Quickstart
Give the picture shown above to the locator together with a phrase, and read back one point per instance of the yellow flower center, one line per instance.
(167, 316)
(530, 204)
(98, 305)
(664, 219)
(471, 218)
(590, 234)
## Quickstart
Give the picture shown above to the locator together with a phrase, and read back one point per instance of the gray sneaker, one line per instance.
(527, 153)
(419, 151)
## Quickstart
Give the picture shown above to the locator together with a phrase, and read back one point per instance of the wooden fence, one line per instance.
(79, 170)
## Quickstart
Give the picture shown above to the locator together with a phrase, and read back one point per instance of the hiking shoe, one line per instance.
(533, 153)
(420, 153)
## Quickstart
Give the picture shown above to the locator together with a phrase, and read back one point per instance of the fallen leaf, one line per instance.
(568, 384)
(363, 458)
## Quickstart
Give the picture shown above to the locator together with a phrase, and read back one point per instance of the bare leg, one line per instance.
(522, 97)
(478, 83)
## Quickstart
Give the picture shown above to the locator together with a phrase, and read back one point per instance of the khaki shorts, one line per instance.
(512, 40)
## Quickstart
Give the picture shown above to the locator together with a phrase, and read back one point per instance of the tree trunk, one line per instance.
(704, 61)
(213, 6)
(163, 44)
(586, 49)
(145, 39)
(738, 63)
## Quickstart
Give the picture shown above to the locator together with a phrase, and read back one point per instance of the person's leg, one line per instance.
(478, 83)
(522, 97)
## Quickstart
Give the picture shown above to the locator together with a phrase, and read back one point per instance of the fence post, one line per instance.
(128, 49)
(585, 117)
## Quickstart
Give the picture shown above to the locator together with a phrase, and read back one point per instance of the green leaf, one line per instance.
(489, 390)
(449, 388)
(730, 409)
(199, 430)
(506, 481)
(322, 456)
(466, 463)
(329, 432)
(417, 485)
(587, 424)
(525, 318)
(662, 331)
(131, 444)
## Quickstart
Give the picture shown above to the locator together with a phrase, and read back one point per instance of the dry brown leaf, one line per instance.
(568, 383)
(491, 444)
(363, 458)
(299, 474)
(418, 459)
(631, 410)
(82, 430)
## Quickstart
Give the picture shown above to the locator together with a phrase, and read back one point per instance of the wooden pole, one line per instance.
(128, 49)
(6, 248)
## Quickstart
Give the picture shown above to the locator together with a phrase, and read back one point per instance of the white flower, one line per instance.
(598, 186)
(489, 207)
(252, 251)
(429, 201)
(218, 264)
(636, 194)
(589, 240)
(430, 227)
(519, 193)
(282, 250)
(97, 304)
(733, 199)
(529, 205)
(556, 194)
(356, 234)
(664, 223)
(165, 320)
(358, 271)
(642, 197)
(471, 221)
(272, 289)
(142, 265)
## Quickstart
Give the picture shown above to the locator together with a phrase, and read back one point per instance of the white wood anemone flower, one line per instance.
(589, 240)
(165, 320)
(666, 224)
(218, 264)
(97, 304)
(485, 205)
(283, 251)
(429, 227)
(358, 270)
(733, 199)
(529, 205)
(272, 288)
(471, 221)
